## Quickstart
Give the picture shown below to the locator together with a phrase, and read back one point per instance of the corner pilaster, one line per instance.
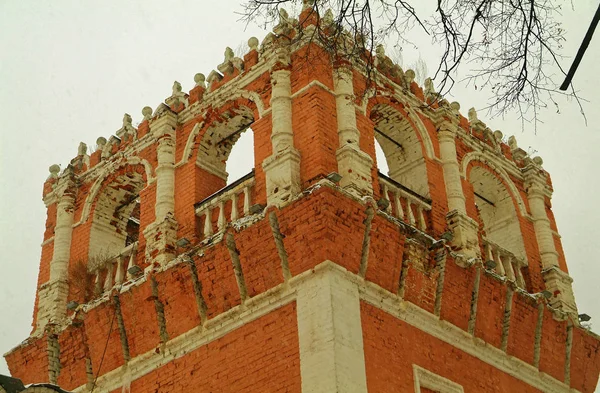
(53, 294)
(330, 333)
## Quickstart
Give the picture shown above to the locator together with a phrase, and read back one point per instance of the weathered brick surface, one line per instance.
(390, 353)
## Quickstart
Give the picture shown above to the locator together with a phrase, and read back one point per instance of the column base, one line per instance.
(161, 238)
(282, 171)
(560, 284)
(465, 240)
(52, 303)
(355, 167)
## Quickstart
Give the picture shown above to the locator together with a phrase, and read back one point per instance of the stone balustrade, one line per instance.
(405, 204)
(506, 264)
(115, 270)
(228, 196)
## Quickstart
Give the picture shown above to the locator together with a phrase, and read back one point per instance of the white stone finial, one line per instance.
(538, 161)
(176, 88)
(229, 55)
(306, 4)
(410, 76)
(199, 78)
(328, 17)
(512, 143)
(82, 149)
(101, 142)
(147, 113)
(430, 92)
(380, 51)
(473, 115)
(253, 43)
(54, 170)
(455, 106)
(283, 16)
(127, 120)
(498, 135)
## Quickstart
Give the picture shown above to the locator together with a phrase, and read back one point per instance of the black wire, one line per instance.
(105, 347)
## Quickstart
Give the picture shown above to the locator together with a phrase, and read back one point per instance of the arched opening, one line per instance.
(226, 162)
(401, 148)
(399, 153)
(240, 160)
(115, 229)
(502, 238)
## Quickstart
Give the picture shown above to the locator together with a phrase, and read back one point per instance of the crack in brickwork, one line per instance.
(506, 321)
(200, 302)
(53, 358)
(237, 266)
(364, 257)
(160, 311)
(474, 299)
(278, 237)
(122, 331)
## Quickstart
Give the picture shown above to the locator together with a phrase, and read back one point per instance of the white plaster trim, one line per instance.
(490, 155)
(313, 83)
(500, 171)
(107, 171)
(189, 145)
(427, 379)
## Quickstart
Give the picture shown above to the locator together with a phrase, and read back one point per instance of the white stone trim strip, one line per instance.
(426, 379)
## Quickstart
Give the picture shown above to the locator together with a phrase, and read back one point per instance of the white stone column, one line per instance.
(558, 282)
(353, 164)
(282, 168)
(330, 333)
(52, 295)
(463, 227)
(161, 234)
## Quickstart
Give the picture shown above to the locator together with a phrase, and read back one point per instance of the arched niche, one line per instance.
(116, 215)
(218, 140)
(402, 147)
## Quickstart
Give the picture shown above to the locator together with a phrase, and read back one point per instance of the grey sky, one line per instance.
(69, 70)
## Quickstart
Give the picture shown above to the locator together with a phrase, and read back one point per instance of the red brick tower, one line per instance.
(315, 272)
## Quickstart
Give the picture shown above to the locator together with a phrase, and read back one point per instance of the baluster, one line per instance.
(411, 215)
(131, 261)
(247, 200)
(221, 222)
(208, 230)
(421, 216)
(98, 283)
(488, 252)
(387, 197)
(498, 260)
(108, 282)
(119, 275)
(519, 274)
(398, 203)
(234, 207)
(508, 268)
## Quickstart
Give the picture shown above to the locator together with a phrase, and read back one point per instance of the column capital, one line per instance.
(164, 121)
(536, 181)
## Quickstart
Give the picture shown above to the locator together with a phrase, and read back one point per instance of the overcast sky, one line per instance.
(69, 70)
